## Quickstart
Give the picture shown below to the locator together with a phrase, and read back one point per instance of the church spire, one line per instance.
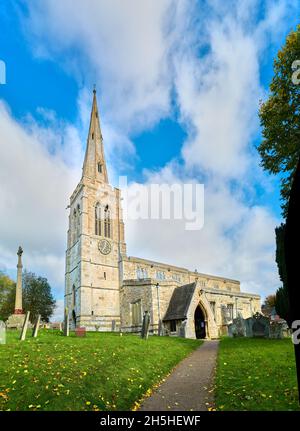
(94, 165)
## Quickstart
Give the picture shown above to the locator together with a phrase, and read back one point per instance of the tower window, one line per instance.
(93, 135)
(99, 168)
(98, 219)
(107, 222)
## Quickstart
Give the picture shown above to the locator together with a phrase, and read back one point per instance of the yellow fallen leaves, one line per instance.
(3, 395)
(136, 406)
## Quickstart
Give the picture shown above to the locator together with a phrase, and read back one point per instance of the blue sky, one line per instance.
(178, 87)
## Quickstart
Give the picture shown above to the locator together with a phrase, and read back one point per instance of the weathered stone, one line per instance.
(25, 327)
(2, 332)
(237, 328)
(145, 326)
(36, 326)
(103, 284)
(17, 319)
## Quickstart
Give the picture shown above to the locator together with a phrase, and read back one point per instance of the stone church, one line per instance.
(107, 290)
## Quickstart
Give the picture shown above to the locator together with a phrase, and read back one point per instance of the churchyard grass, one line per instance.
(103, 371)
(256, 374)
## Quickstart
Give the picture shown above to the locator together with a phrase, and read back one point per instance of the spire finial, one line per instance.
(94, 89)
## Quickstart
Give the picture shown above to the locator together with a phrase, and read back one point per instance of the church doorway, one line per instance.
(200, 329)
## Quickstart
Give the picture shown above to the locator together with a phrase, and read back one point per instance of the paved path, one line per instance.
(189, 387)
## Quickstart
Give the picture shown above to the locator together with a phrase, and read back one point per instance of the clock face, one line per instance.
(104, 246)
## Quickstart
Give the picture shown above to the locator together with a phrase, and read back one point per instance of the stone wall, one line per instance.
(134, 267)
(156, 301)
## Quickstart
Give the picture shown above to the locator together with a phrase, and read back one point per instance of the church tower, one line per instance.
(95, 241)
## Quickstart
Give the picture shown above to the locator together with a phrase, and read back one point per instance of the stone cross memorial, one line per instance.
(2, 332)
(25, 326)
(17, 319)
(145, 326)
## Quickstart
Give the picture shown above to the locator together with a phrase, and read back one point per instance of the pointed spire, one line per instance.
(94, 165)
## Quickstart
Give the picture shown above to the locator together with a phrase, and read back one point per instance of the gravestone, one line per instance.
(80, 332)
(279, 329)
(225, 313)
(160, 328)
(145, 325)
(260, 326)
(66, 323)
(113, 325)
(36, 327)
(25, 326)
(237, 328)
(182, 329)
(2, 332)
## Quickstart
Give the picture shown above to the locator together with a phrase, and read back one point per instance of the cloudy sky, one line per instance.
(179, 84)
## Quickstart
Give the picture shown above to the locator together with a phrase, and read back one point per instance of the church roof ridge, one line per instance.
(180, 268)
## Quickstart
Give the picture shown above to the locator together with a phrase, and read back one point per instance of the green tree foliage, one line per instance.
(280, 119)
(37, 297)
(282, 298)
(280, 257)
(282, 303)
(7, 296)
(268, 304)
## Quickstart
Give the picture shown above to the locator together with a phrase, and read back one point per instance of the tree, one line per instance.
(268, 304)
(282, 298)
(37, 297)
(282, 303)
(280, 119)
(7, 296)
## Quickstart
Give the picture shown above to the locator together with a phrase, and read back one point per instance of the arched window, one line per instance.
(107, 222)
(98, 219)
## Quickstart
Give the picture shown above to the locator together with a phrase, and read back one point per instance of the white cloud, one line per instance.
(35, 184)
(139, 52)
(121, 43)
(58, 314)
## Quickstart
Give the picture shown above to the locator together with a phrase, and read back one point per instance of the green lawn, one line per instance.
(103, 371)
(256, 374)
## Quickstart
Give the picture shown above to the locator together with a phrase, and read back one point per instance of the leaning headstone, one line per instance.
(36, 326)
(145, 325)
(2, 332)
(66, 323)
(25, 326)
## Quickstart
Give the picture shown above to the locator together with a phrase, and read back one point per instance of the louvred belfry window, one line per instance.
(107, 222)
(98, 220)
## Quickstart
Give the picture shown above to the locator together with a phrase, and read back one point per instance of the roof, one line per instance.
(179, 269)
(180, 302)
